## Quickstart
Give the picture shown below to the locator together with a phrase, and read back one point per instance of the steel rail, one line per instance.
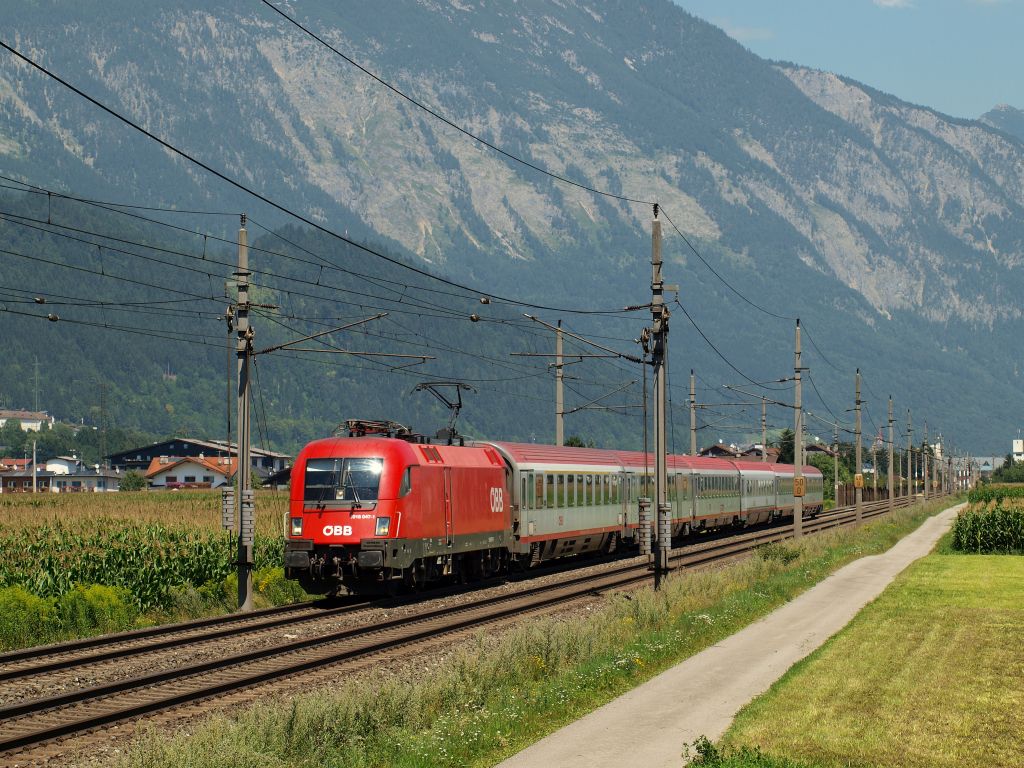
(184, 634)
(69, 646)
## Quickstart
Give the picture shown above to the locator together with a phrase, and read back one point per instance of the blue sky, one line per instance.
(961, 57)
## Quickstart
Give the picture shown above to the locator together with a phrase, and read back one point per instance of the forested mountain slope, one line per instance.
(895, 232)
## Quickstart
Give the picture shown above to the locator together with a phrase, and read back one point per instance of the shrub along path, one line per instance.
(650, 725)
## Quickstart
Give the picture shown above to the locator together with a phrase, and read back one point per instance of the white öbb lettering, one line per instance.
(497, 499)
(337, 530)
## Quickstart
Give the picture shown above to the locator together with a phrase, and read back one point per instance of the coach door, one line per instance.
(448, 522)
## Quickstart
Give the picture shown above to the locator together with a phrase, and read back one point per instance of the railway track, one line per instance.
(30, 723)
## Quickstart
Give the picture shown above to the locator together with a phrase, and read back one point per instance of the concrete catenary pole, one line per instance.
(244, 473)
(659, 315)
(858, 491)
(764, 428)
(874, 470)
(910, 453)
(559, 392)
(34, 468)
(693, 414)
(798, 444)
(891, 479)
(924, 461)
(835, 464)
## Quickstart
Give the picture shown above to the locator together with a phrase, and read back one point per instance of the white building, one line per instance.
(83, 480)
(31, 421)
(63, 465)
(1018, 450)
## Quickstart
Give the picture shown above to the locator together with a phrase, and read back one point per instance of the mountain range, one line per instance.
(893, 231)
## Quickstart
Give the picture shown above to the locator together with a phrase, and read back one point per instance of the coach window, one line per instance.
(538, 490)
(549, 494)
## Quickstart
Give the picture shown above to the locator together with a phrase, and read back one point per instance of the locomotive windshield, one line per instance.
(353, 480)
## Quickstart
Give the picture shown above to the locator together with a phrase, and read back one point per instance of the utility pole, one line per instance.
(34, 486)
(559, 393)
(891, 489)
(764, 429)
(245, 495)
(103, 423)
(910, 453)
(660, 315)
(924, 461)
(835, 464)
(874, 470)
(798, 445)
(858, 478)
(693, 414)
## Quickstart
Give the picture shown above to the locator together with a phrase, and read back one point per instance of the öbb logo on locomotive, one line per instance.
(376, 512)
(497, 499)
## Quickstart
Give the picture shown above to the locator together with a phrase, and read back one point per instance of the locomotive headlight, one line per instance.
(296, 526)
(383, 526)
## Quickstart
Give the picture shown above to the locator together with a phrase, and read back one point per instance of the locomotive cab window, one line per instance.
(354, 481)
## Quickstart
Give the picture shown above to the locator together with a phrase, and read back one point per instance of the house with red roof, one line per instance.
(191, 471)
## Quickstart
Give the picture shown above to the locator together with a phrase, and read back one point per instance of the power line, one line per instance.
(282, 208)
(820, 398)
(434, 113)
(717, 351)
(152, 332)
(817, 349)
(32, 189)
(716, 274)
(104, 274)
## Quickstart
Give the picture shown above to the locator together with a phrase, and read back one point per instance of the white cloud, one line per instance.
(894, 3)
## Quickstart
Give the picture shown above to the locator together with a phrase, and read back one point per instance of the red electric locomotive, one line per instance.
(375, 509)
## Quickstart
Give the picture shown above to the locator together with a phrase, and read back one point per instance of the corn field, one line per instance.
(198, 509)
(983, 494)
(146, 543)
(992, 524)
(147, 560)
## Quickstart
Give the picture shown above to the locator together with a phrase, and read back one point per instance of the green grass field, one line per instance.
(928, 675)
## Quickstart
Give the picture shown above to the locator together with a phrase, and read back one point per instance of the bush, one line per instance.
(999, 531)
(25, 619)
(134, 481)
(271, 583)
(95, 609)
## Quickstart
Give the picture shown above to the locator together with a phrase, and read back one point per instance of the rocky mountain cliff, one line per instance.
(896, 232)
(1007, 119)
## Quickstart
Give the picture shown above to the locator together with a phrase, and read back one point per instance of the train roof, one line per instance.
(533, 453)
(402, 451)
